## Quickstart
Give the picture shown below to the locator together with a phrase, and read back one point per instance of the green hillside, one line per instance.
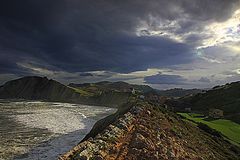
(42, 88)
(228, 128)
(38, 88)
(106, 86)
(178, 92)
(225, 97)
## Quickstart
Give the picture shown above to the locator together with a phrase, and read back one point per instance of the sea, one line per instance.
(36, 130)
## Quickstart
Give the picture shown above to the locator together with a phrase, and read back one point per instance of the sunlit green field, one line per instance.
(228, 128)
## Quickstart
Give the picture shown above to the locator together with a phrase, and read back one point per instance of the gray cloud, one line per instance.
(80, 36)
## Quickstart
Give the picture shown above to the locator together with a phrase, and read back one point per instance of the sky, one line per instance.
(161, 43)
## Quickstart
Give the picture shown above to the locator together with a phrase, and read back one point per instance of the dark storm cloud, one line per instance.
(165, 79)
(86, 35)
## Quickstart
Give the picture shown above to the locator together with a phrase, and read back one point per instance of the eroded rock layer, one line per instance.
(147, 132)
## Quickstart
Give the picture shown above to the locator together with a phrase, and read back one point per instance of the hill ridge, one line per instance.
(148, 132)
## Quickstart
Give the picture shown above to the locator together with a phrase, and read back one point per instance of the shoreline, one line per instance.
(63, 126)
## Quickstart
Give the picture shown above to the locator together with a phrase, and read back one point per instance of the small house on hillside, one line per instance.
(215, 113)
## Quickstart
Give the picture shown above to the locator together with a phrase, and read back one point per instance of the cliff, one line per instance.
(149, 132)
(42, 88)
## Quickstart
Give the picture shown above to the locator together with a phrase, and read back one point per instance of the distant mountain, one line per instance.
(120, 86)
(225, 97)
(110, 93)
(178, 92)
(106, 86)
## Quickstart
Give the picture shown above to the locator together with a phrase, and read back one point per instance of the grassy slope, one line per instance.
(41, 88)
(226, 98)
(81, 92)
(228, 128)
(111, 94)
(34, 87)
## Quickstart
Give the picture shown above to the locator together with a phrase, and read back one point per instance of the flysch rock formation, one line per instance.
(150, 133)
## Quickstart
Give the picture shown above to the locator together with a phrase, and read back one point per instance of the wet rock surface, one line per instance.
(147, 133)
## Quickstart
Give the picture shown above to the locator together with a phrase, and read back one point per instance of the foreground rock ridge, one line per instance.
(147, 132)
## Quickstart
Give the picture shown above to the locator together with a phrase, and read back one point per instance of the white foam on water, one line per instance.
(55, 147)
(60, 120)
(69, 123)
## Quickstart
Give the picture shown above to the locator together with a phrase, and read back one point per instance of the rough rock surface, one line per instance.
(150, 133)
